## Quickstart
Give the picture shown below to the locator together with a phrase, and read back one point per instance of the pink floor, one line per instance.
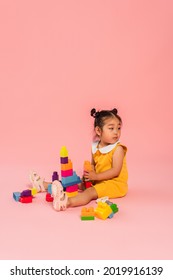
(142, 229)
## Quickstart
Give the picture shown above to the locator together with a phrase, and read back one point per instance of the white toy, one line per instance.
(102, 199)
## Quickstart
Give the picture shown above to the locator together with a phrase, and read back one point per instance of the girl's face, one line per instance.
(110, 132)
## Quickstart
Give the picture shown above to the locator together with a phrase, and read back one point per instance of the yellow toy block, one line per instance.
(71, 194)
(33, 191)
(63, 152)
(103, 210)
(87, 212)
(87, 166)
(67, 166)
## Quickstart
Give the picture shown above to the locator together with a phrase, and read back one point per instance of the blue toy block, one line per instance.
(111, 215)
(70, 180)
(49, 189)
(16, 196)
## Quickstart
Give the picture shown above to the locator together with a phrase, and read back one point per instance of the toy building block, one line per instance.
(66, 173)
(26, 193)
(87, 184)
(63, 155)
(63, 160)
(87, 214)
(113, 206)
(70, 180)
(49, 198)
(55, 176)
(102, 199)
(33, 191)
(103, 210)
(87, 166)
(63, 152)
(26, 199)
(16, 196)
(49, 189)
(71, 194)
(88, 218)
(73, 188)
(67, 166)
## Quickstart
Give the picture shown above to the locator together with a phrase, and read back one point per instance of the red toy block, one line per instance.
(49, 198)
(26, 199)
(87, 184)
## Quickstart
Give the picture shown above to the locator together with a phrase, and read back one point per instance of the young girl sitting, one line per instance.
(109, 174)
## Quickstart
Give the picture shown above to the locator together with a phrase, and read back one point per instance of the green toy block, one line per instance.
(87, 218)
(114, 208)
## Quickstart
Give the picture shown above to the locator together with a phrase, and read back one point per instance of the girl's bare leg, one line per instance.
(45, 184)
(82, 198)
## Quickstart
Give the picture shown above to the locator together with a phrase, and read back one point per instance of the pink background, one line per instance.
(59, 59)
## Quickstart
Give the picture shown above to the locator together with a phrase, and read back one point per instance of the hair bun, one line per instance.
(93, 112)
(114, 111)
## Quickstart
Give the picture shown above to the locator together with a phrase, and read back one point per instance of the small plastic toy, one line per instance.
(16, 196)
(103, 210)
(55, 176)
(87, 167)
(49, 197)
(87, 214)
(102, 199)
(69, 178)
(26, 199)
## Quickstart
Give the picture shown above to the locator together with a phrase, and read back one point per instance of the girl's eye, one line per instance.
(111, 128)
(119, 128)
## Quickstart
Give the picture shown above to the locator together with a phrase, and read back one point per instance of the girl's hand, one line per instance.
(91, 175)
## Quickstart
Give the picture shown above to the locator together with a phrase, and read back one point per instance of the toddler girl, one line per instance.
(109, 174)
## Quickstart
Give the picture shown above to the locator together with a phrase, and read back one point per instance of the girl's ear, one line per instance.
(98, 130)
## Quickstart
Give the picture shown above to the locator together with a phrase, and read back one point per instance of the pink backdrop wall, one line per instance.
(58, 59)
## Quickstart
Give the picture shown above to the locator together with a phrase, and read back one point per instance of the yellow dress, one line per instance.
(116, 187)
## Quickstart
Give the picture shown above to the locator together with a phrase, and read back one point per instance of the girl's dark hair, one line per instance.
(100, 116)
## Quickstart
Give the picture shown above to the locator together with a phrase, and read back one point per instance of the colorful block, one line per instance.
(63, 152)
(55, 176)
(66, 173)
(64, 160)
(103, 210)
(73, 188)
(87, 211)
(67, 166)
(88, 218)
(49, 198)
(71, 194)
(49, 189)
(87, 214)
(87, 184)
(87, 166)
(33, 191)
(26, 199)
(71, 180)
(16, 196)
(26, 193)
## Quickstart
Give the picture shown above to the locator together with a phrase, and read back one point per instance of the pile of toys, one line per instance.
(69, 181)
(105, 209)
